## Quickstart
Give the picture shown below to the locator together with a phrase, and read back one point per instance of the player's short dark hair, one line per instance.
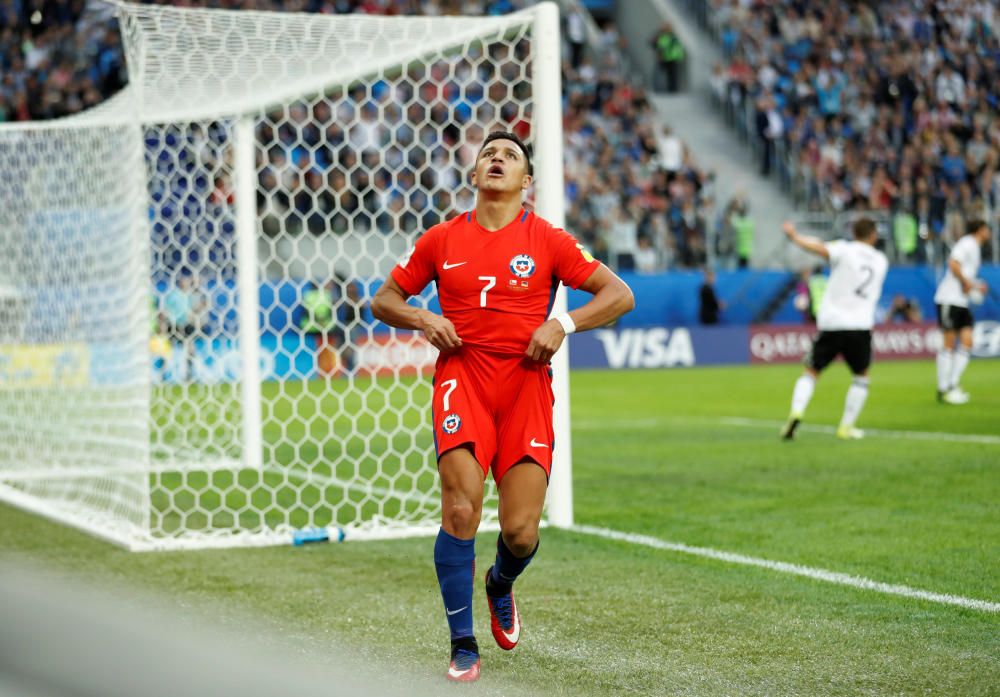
(507, 135)
(974, 226)
(864, 228)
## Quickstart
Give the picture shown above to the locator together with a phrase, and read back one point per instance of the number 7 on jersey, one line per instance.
(449, 386)
(490, 282)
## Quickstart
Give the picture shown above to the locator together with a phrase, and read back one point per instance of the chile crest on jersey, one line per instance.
(451, 423)
(522, 266)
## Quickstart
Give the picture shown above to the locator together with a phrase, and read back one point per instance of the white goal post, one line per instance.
(187, 358)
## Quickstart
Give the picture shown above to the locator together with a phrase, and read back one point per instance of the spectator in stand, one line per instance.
(670, 56)
(906, 235)
(352, 313)
(743, 231)
(182, 309)
(818, 281)
(319, 321)
(646, 260)
(725, 241)
(803, 300)
(621, 244)
(670, 150)
(770, 128)
(709, 305)
(576, 34)
(904, 309)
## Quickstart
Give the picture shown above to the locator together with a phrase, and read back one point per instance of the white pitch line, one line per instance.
(650, 423)
(795, 569)
(981, 438)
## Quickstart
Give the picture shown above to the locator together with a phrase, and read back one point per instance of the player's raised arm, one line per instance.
(389, 305)
(612, 299)
(810, 244)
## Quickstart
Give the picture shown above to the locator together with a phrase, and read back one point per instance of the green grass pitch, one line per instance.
(656, 453)
(321, 442)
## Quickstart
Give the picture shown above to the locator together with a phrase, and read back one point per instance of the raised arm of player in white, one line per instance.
(810, 244)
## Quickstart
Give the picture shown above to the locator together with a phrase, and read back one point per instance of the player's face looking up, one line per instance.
(501, 167)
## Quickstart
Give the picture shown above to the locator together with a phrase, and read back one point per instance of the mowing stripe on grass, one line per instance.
(110, 471)
(796, 569)
(308, 477)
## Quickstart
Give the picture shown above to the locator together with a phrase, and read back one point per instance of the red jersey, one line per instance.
(495, 286)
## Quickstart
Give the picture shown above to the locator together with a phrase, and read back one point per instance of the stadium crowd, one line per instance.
(633, 191)
(54, 61)
(888, 106)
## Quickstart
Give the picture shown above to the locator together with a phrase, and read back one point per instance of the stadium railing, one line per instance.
(837, 225)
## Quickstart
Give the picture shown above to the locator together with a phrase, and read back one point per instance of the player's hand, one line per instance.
(789, 229)
(440, 332)
(545, 341)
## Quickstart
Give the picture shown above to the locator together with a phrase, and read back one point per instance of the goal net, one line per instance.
(187, 354)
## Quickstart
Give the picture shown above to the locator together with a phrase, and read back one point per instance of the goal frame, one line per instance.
(549, 203)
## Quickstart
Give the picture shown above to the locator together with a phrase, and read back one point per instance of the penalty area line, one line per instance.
(794, 569)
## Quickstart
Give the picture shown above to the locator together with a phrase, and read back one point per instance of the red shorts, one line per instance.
(501, 406)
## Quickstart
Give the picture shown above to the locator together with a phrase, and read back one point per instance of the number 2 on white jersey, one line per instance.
(490, 282)
(862, 290)
(450, 385)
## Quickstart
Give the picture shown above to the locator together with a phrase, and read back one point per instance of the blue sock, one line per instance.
(507, 568)
(455, 561)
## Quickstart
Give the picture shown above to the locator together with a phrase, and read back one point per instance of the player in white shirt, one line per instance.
(957, 290)
(845, 319)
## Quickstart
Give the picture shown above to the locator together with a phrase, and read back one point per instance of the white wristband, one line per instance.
(568, 325)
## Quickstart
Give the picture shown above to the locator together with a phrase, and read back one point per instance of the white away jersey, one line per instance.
(857, 271)
(968, 255)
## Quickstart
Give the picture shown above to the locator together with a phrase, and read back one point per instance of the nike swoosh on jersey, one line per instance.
(447, 266)
(454, 612)
(536, 444)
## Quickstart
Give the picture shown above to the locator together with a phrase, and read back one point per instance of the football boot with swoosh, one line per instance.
(464, 666)
(504, 618)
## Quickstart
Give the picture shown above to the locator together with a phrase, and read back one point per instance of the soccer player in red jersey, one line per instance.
(497, 269)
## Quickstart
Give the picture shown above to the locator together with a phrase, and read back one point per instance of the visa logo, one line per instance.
(647, 348)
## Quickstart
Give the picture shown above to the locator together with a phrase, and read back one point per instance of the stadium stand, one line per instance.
(634, 195)
(889, 107)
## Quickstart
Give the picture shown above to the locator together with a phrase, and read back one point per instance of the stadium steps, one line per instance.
(766, 313)
(716, 147)
(700, 124)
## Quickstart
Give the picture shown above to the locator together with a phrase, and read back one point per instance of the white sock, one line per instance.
(802, 393)
(857, 393)
(944, 363)
(959, 363)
